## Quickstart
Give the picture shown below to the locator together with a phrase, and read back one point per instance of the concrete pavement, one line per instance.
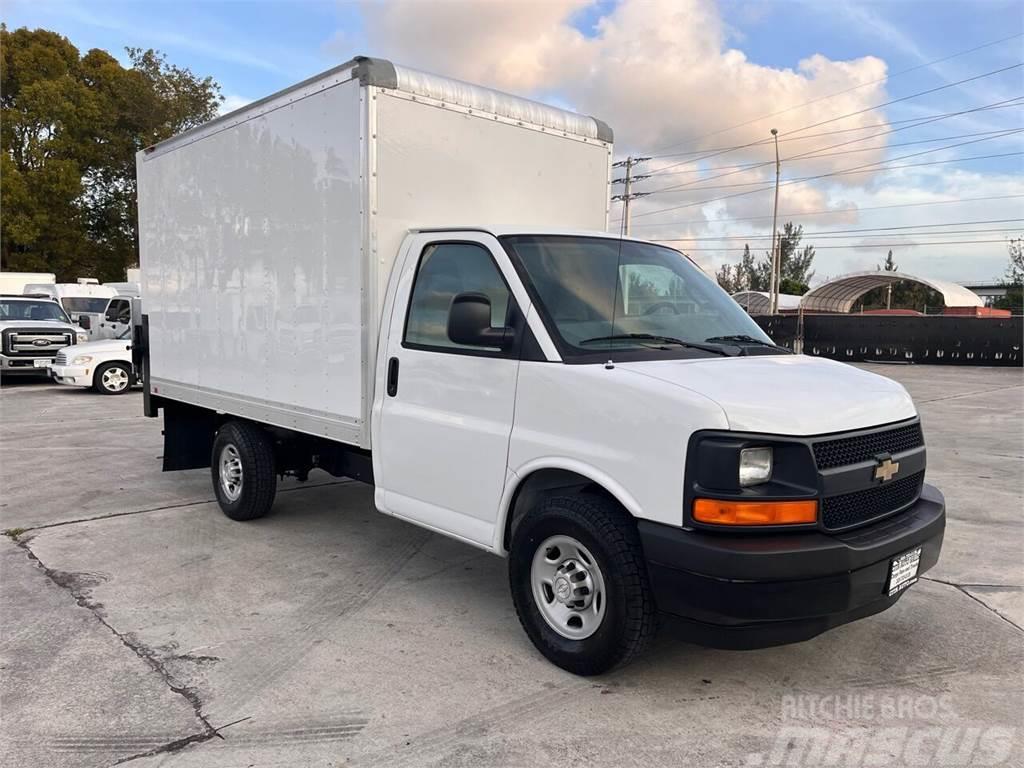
(141, 626)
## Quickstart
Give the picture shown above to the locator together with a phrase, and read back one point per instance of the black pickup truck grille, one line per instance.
(849, 509)
(857, 448)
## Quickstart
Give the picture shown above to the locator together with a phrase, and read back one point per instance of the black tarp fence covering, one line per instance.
(941, 340)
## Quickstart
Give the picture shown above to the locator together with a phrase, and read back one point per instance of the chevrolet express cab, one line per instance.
(331, 282)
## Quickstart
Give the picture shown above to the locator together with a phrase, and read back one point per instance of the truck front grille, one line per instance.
(857, 448)
(850, 509)
(28, 343)
(61, 358)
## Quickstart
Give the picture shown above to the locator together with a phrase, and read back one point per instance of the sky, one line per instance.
(862, 95)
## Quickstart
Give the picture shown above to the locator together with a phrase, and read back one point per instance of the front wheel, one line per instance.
(579, 583)
(112, 378)
(244, 474)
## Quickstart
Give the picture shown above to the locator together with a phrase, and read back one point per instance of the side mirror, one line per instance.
(469, 323)
(84, 322)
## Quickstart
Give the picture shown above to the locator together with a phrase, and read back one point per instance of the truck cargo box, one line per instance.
(267, 235)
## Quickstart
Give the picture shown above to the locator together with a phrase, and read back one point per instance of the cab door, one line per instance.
(116, 319)
(441, 449)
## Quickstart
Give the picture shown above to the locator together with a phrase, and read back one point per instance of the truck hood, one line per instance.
(55, 325)
(105, 346)
(786, 394)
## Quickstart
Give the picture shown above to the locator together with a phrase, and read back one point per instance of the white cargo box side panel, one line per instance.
(448, 166)
(253, 274)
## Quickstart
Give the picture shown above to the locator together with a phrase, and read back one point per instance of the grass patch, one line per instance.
(14, 533)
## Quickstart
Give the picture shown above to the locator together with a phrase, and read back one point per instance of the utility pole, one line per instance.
(773, 296)
(628, 195)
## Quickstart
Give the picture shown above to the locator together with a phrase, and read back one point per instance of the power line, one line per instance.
(801, 179)
(833, 211)
(854, 245)
(820, 236)
(911, 96)
(821, 176)
(816, 155)
(811, 153)
(996, 105)
(848, 90)
(866, 109)
(1006, 132)
(834, 232)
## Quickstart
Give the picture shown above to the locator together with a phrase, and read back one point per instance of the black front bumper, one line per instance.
(753, 591)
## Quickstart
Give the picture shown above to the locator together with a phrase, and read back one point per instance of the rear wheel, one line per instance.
(579, 583)
(112, 378)
(243, 470)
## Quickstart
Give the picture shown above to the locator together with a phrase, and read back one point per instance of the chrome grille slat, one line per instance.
(23, 342)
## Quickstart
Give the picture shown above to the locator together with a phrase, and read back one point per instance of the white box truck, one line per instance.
(405, 279)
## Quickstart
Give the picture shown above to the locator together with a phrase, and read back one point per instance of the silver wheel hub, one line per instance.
(568, 587)
(115, 379)
(230, 472)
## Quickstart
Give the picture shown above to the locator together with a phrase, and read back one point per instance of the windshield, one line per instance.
(32, 310)
(84, 304)
(596, 295)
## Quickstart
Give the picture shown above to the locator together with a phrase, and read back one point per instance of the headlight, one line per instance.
(82, 360)
(755, 466)
(82, 337)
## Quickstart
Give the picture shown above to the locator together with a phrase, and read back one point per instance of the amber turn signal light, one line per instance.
(724, 512)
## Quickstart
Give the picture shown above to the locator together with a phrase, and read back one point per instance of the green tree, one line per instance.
(796, 272)
(70, 126)
(794, 262)
(743, 276)
(1013, 278)
(889, 265)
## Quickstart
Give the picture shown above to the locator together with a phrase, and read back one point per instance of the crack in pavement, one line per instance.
(128, 513)
(968, 394)
(963, 588)
(71, 583)
(68, 582)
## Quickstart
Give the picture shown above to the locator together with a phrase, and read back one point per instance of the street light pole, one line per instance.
(776, 279)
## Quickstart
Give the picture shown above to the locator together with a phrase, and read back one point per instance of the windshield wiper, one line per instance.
(743, 338)
(659, 339)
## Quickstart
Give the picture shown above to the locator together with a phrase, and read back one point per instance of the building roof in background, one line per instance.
(756, 302)
(840, 294)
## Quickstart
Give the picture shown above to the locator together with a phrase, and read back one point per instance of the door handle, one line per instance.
(392, 377)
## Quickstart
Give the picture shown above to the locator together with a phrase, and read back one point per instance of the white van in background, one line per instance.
(86, 295)
(103, 311)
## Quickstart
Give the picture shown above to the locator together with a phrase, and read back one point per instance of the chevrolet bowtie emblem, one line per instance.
(886, 469)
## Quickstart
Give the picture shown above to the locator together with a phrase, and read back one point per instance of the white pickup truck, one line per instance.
(330, 282)
(32, 331)
(105, 365)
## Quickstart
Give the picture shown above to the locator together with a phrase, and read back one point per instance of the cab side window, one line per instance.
(118, 311)
(445, 270)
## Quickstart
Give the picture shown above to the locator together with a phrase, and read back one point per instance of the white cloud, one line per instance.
(232, 101)
(663, 74)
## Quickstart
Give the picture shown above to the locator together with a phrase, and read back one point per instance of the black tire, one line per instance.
(609, 533)
(122, 371)
(257, 484)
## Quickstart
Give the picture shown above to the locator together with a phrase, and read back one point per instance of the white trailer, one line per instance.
(13, 283)
(268, 234)
(387, 275)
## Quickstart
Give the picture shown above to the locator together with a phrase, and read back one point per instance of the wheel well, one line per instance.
(541, 484)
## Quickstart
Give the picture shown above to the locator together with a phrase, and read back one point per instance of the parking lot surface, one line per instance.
(142, 627)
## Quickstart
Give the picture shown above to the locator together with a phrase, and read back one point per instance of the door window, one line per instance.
(118, 311)
(447, 269)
